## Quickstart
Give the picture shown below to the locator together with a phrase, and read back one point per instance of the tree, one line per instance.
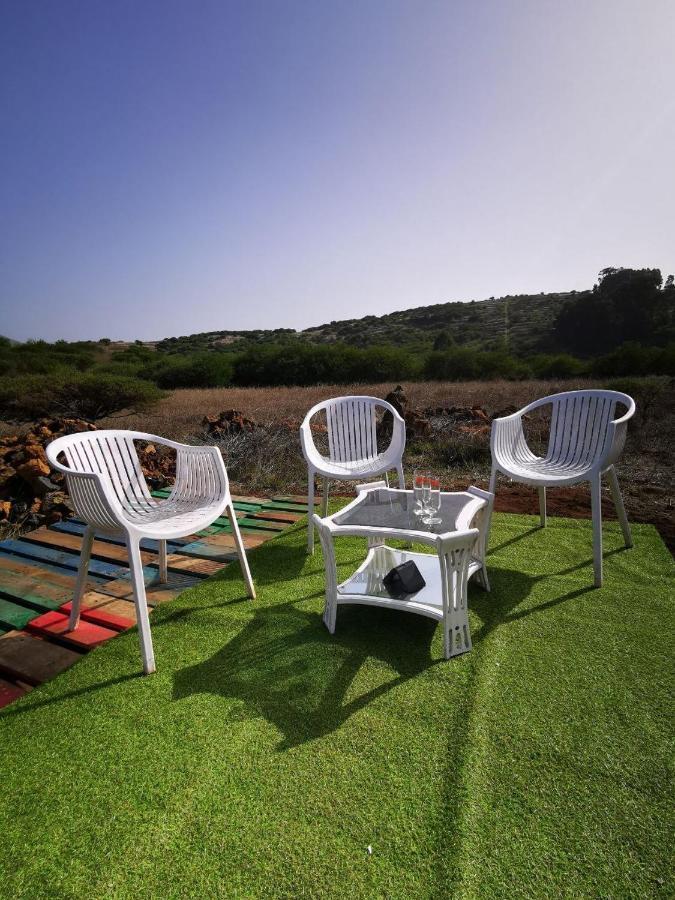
(444, 340)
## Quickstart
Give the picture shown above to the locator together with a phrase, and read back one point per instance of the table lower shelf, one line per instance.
(365, 585)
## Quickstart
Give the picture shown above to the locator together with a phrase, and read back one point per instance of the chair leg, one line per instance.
(80, 584)
(138, 584)
(241, 552)
(493, 481)
(596, 508)
(324, 504)
(401, 477)
(310, 512)
(618, 505)
(163, 574)
(542, 507)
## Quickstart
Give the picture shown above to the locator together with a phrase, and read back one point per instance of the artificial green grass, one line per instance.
(266, 756)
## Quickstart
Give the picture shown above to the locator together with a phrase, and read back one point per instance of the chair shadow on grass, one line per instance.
(286, 667)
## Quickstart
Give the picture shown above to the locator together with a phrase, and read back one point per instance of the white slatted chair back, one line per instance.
(352, 429)
(353, 452)
(580, 421)
(111, 454)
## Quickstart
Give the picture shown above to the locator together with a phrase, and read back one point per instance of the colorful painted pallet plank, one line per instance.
(262, 525)
(100, 616)
(155, 593)
(32, 591)
(277, 515)
(295, 498)
(40, 569)
(9, 692)
(76, 528)
(58, 558)
(72, 543)
(202, 567)
(28, 658)
(95, 604)
(300, 509)
(55, 625)
(14, 616)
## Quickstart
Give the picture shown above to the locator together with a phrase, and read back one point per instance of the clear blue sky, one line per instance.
(174, 167)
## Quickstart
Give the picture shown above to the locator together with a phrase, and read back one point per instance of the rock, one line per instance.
(44, 485)
(230, 421)
(32, 469)
(398, 400)
(416, 425)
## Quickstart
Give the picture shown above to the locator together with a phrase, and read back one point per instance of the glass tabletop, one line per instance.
(390, 508)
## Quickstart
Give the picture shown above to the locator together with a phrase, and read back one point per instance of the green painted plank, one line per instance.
(301, 509)
(16, 616)
(30, 599)
(262, 524)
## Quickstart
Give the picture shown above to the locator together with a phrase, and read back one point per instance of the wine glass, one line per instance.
(419, 480)
(433, 502)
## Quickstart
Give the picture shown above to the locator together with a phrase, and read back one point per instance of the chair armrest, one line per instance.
(200, 473)
(507, 438)
(94, 499)
(309, 451)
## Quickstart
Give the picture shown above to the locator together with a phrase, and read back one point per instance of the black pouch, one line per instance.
(404, 579)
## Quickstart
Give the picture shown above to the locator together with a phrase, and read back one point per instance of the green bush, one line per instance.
(306, 364)
(557, 365)
(197, 370)
(633, 359)
(88, 396)
(466, 364)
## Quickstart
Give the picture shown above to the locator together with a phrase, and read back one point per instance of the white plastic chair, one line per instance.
(110, 494)
(352, 447)
(584, 443)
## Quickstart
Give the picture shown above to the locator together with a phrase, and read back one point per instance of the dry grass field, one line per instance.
(269, 460)
(178, 414)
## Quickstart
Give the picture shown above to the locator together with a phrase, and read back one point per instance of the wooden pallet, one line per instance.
(37, 578)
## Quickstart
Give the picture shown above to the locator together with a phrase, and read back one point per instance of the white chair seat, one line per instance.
(166, 518)
(541, 470)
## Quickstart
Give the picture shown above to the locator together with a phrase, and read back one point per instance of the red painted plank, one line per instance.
(9, 692)
(85, 636)
(99, 617)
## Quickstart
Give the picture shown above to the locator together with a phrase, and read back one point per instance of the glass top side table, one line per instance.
(379, 513)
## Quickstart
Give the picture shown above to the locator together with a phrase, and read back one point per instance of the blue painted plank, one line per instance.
(39, 567)
(146, 543)
(201, 550)
(61, 558)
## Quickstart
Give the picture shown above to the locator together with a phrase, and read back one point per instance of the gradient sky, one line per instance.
(175, 167)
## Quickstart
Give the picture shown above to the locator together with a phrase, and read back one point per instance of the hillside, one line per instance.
(521, 324)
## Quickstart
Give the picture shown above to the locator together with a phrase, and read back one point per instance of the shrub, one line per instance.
(196, 370)
(466, 364)
(633, 359)
(306, 364)
(88, 396)
(558, 365)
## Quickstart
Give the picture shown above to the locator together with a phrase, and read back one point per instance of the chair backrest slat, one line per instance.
(579, 427)
(352, 429)
(111, 454)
